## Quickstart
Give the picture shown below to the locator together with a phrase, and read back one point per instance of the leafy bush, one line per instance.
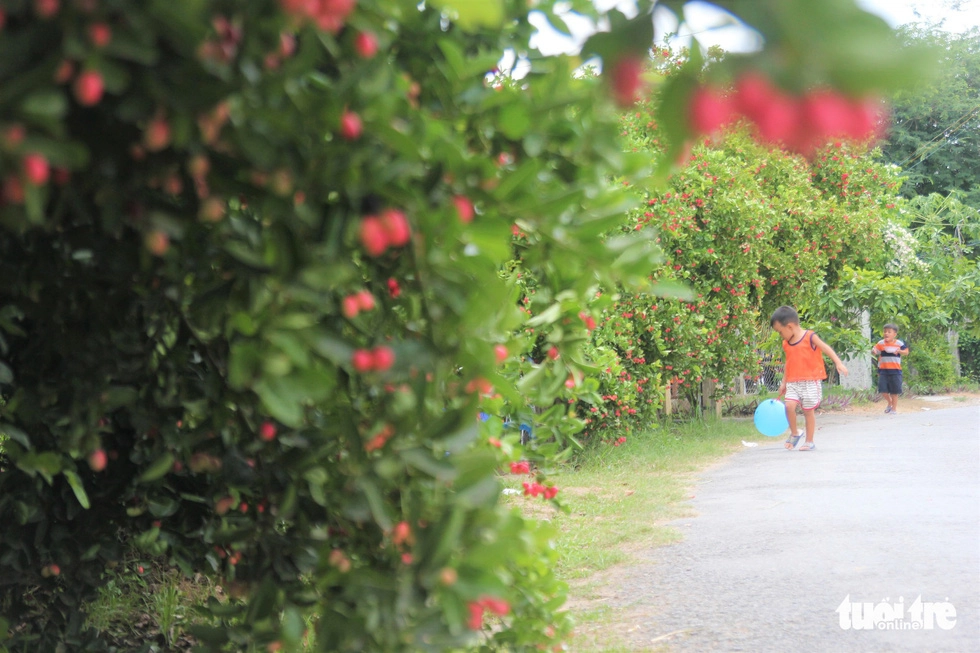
(261, 266)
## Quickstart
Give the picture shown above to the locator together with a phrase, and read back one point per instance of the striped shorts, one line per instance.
(806, 393)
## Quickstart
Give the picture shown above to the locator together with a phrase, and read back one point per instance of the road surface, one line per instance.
(868, 543)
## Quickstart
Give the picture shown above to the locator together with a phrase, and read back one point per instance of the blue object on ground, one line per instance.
(770, 418)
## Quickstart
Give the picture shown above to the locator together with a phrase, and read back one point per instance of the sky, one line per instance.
(717, 28)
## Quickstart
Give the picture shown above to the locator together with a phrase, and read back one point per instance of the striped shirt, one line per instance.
(888, 356)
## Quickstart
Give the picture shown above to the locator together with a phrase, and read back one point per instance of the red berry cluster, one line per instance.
(522, 467)
(328, 15)
(479, 384)
(377, 360)
(800, 123)
(625, 80)
(499, 607)
(359, 302)
(534, 489)
(380, 438)
(390, 229)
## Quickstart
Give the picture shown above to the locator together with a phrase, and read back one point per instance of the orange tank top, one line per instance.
(804, 362)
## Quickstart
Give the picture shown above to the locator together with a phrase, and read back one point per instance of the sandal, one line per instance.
(808, 446)
(792, 440)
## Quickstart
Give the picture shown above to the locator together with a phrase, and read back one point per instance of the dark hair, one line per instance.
(892, 326)
(785, 315)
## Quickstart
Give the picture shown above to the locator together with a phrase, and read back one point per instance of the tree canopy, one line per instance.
(935, 132)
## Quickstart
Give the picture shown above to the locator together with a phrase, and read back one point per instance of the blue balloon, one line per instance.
(770, 418)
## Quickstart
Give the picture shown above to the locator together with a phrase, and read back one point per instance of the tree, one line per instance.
(935, 132)
(256, 289)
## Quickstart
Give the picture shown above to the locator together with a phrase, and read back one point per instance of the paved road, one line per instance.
(886, 509)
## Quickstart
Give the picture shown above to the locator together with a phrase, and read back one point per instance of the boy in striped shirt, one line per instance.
(889, 351)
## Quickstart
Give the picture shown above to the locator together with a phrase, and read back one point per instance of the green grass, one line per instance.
(619, 500)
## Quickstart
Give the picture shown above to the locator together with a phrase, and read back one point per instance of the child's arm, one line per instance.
(904, 349)
(831, 354)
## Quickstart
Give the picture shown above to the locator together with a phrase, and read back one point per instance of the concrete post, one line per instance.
(859, 366)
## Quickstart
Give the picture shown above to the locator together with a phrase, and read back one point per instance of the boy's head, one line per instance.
(889, 331)
(785, 320)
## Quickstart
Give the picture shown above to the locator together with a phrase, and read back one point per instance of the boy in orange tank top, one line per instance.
(804, 373)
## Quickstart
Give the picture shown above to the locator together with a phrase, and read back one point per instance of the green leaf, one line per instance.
(77, 487)
(46, 104)
(46, 463)
(280, 400)
(423, 460)
(6, 374)
(376, 502)
(263, 602)
(160, 467)
(473, 14)
(513, 121)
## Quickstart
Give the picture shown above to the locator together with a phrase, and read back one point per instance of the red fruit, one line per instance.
(157, 242)
(394, 289)
(826, 114)
(383, 358)
(365, 300)
(99, 34)
(223, 505)
(869, 119)
(362, 360)
(64, 72)
(13, 190)
(350, 307)
(499, 607)
(373, 236)
(448, 576)
(157, 135)
(198, 166)
(710, 110)
(401, 532)
(500, 353)
(779, 121)
(14, 135)
(287, 45)
(350, 126)
(464, 207)
(475, 622)
(88, 88)
(36, 169)
(625, 78)
(753, 92)
(46, 8)
(550, 492)
(97, 460)
(212, 210)
(267, 431)
(3, 18)
(553, 353)
(396, 227)
(366, 45)
(140, 569)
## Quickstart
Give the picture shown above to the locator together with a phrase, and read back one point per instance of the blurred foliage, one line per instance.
(263, 265)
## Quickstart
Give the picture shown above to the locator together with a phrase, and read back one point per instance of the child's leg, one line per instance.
(810, 419)
(791, 418)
